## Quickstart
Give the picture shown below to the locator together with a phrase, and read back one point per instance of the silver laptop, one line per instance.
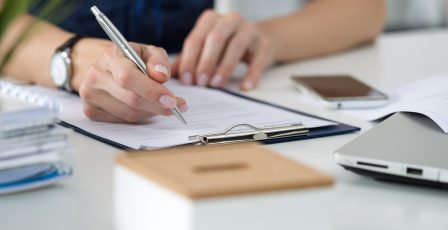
(405, 147)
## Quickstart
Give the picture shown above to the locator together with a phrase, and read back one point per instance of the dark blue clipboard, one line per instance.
(332, 130)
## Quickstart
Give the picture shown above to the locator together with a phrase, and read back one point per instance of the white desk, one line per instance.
(355, 202)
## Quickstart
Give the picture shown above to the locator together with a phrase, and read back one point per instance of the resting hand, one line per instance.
(115, 90)
(217, 44)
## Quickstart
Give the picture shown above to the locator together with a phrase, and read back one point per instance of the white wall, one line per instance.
(258, 9)
(408, 14)
(402, 14)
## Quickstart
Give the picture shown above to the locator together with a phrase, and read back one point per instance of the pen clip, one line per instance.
(117, 38)
(230, 135)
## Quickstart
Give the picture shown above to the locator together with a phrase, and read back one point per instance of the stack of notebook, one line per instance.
(31, 144)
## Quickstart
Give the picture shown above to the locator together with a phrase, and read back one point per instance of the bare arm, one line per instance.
(31, 62)
(110, 85)
(325, 26)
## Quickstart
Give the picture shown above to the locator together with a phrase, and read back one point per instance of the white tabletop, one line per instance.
(354, 202)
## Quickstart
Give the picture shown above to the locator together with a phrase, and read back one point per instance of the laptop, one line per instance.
(406, 147)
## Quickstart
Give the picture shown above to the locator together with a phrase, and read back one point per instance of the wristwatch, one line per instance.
(61, 64)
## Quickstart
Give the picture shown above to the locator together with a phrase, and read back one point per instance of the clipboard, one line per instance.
(303, 133)
(252, 133)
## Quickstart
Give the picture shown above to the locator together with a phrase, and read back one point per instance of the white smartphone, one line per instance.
(341, 91)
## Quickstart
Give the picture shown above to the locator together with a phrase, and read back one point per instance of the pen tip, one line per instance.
(178, 114)
(183, 121)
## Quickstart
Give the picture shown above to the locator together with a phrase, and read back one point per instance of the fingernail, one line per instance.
(167, 101)
(217, 80)
(187, 78)
(202, 79)
(247, 85)
(161, 69)
(183, 108)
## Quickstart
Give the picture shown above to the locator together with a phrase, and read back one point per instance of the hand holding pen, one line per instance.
(116, 90)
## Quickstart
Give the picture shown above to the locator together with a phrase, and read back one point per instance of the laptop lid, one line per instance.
(405, 147)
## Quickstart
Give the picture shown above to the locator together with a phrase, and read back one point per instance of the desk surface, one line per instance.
(355, 202)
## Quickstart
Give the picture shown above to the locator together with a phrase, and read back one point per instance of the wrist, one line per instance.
(84, 54)
(274, 44)
(61, 67)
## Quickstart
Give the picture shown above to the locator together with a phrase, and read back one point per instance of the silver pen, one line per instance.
(128, 51)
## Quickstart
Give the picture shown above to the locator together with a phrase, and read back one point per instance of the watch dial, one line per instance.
(58, 70)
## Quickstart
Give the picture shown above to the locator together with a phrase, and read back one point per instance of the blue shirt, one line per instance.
(163, 23)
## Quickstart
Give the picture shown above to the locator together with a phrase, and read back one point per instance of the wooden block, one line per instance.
(203, 172)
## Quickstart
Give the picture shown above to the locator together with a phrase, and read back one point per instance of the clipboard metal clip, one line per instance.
(250, 133)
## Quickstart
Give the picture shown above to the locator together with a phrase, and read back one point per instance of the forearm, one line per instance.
(31, 61)
(325, 26)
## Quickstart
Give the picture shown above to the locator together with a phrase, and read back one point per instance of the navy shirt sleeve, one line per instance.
(163, 23)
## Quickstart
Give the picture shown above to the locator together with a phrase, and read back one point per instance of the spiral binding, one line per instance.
(19, 92)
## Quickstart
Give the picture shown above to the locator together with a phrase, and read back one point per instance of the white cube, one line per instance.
(154, 191)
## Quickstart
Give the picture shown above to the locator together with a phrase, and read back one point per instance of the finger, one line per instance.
(137, 102)
(116, 108)
(175, 68)
(157, 62)
(193, 45)
(233, 55)
(132, 79)
(113, 110)
(257, 65)
(87, 94)
(183, 106)
(97, 114)
(214, 45)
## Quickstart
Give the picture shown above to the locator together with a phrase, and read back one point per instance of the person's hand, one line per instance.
(216, 45)
(115, 90)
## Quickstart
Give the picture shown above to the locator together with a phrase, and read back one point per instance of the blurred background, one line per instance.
(402, 14)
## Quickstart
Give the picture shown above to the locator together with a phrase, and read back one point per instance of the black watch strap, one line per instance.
(69, 43)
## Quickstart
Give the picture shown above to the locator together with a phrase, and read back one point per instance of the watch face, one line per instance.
(59, 70)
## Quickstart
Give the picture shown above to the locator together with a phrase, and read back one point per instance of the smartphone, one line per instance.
(341, 91)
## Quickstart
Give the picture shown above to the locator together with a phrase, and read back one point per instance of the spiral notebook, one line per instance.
(211, 111)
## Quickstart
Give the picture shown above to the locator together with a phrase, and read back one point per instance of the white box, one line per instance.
(149, 201)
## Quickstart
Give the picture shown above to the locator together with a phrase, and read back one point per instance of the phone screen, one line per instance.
(338, 87)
